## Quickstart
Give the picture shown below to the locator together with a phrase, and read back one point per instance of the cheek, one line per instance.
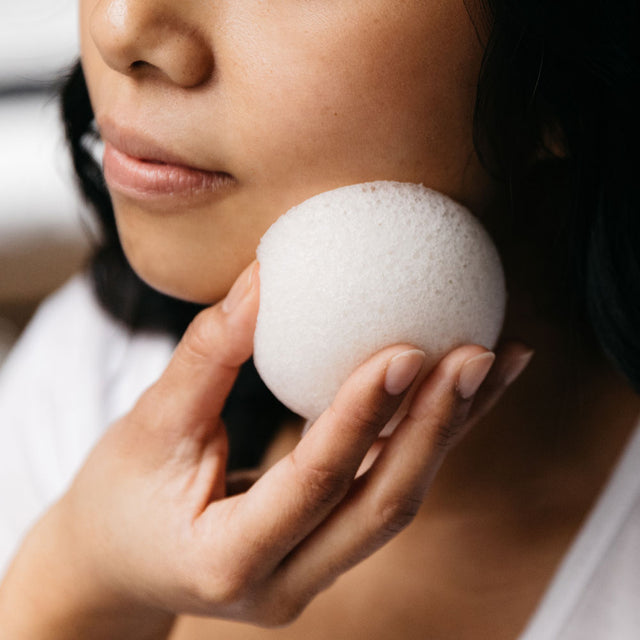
(386, 106)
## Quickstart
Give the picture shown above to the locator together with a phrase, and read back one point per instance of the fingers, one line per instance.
(298, 493)
(385, 499)
(511, 359)
(307, 520)
(193, 388)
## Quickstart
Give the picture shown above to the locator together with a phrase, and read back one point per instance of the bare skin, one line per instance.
(503, 510)
(290, 99)
(146, 531)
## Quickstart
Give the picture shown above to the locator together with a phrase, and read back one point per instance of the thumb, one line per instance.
(189, 396)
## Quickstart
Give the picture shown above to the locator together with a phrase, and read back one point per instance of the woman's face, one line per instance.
(269, 102)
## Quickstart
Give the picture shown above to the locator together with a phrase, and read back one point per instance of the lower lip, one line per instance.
(147, 180)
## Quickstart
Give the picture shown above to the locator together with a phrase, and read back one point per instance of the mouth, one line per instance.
(138, 167)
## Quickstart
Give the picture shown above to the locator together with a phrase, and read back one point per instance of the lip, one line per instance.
(138, 167)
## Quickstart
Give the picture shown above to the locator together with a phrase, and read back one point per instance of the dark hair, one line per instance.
(557, 88)
(558, 92)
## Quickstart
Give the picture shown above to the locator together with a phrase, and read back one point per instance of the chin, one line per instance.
(179, 283)
(174, 275)
(187, 291)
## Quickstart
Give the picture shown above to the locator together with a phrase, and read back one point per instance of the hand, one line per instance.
(147, 530)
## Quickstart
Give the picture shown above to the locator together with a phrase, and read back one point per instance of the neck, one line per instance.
(556, 434)
(552, 439)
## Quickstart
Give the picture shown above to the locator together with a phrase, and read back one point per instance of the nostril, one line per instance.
(151, 40)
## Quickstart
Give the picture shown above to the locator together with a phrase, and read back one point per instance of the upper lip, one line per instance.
(136, 145)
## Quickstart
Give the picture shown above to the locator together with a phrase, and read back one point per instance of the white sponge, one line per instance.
(362, 267)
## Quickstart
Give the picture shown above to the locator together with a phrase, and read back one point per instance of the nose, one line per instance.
(152, 38)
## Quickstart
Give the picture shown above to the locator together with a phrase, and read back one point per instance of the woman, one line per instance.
(218, 117)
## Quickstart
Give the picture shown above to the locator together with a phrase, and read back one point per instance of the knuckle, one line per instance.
(449, 430)
(396, 513)
(200, 336)
(444, 436)
(325, 485)
(283, 605)
(367, 419)
(279, 606)
(322, 484)
(222, 588)
(447, 423)
(281, 614)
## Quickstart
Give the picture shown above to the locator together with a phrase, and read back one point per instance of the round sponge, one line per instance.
(362, 267)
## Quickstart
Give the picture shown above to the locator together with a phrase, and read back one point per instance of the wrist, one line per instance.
(54, 589)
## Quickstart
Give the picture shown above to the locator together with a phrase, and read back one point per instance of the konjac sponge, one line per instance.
(362, 267)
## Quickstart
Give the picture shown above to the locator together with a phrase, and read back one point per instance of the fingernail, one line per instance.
(516, 367)
(473, 373)
(238, 291)
(402, 370)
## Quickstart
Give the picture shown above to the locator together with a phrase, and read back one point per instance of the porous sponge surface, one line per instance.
(362, 267)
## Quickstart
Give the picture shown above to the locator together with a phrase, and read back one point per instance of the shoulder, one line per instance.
(66, 322)
(73, 372)
(596, 591)
(74, 348)
(608, 606)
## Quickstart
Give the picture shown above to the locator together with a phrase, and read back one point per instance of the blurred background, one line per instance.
(42, 239)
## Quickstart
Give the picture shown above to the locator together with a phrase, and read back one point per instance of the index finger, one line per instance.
(193, 388)
(299, 491)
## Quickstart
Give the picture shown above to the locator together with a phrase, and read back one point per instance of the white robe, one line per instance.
(75, 370)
